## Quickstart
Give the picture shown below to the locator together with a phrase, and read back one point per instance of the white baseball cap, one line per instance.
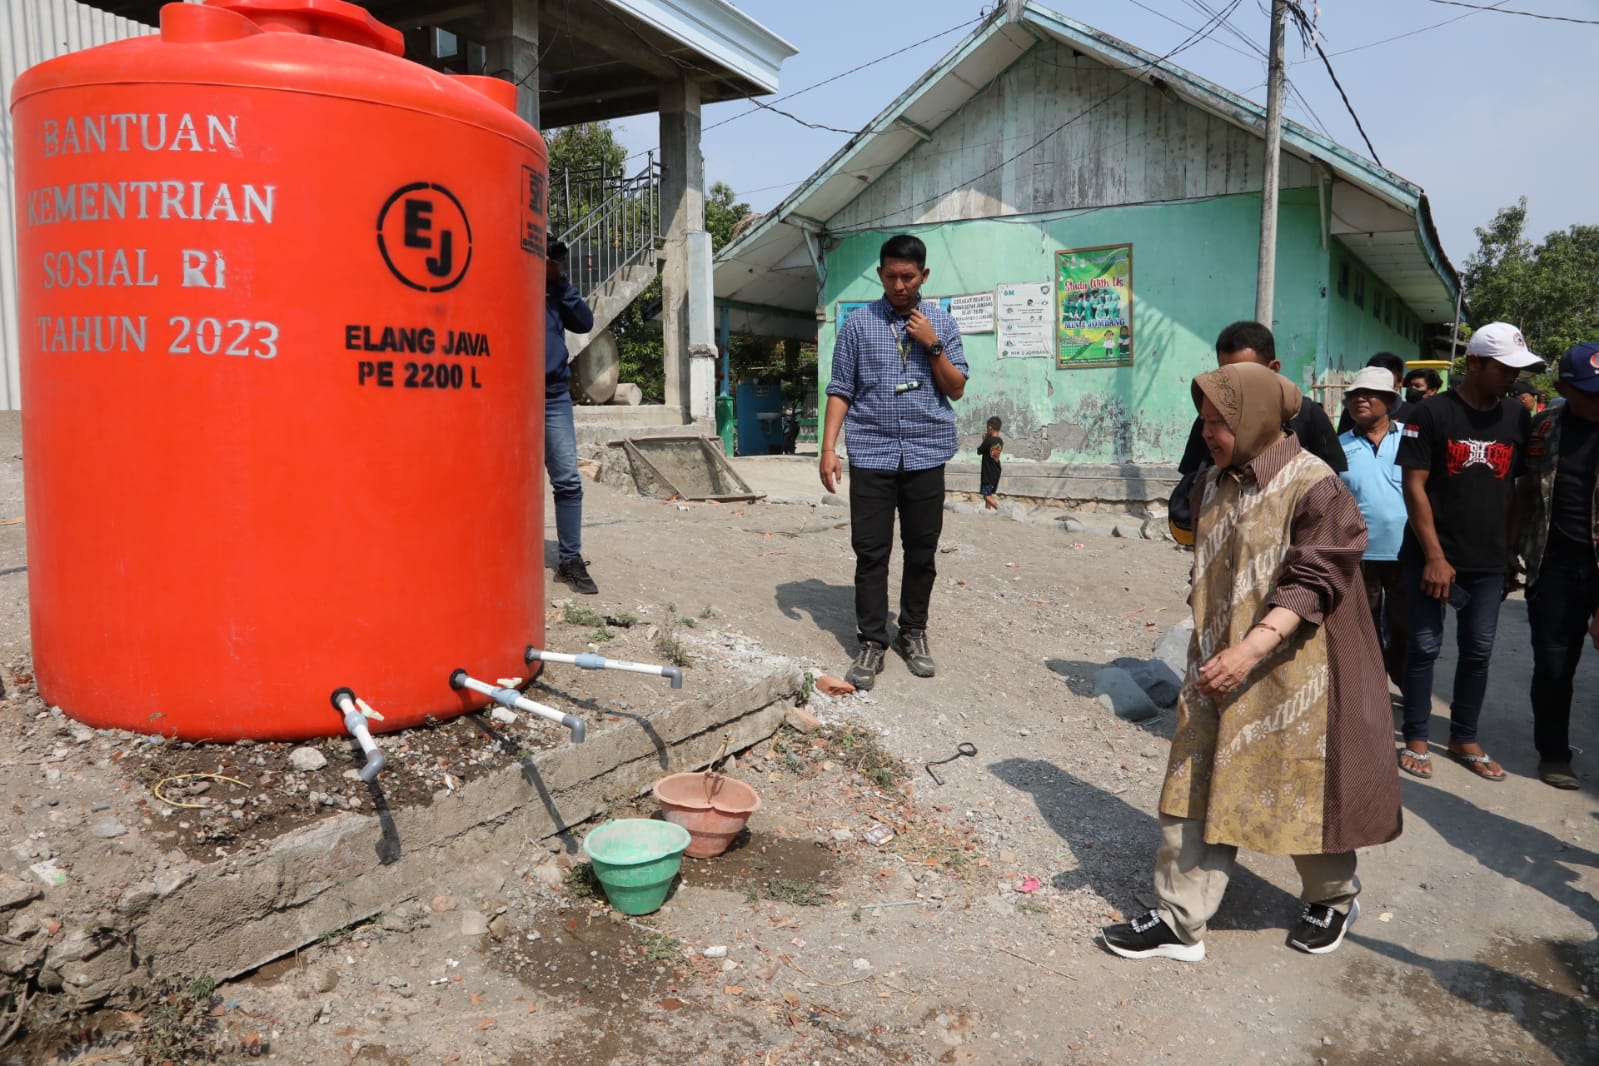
(1504, 342)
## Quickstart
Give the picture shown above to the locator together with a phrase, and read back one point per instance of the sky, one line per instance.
(1476, 107)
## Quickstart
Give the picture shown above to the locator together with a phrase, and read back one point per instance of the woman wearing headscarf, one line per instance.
(1284, 728)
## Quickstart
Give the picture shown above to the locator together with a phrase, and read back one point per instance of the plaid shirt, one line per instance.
(888, 430)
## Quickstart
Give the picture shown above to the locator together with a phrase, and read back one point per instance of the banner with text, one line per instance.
(1094, 303)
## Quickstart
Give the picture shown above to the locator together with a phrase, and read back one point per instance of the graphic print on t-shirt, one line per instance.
(1497, 456)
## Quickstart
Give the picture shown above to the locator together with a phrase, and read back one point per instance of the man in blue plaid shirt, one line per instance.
(897, 364)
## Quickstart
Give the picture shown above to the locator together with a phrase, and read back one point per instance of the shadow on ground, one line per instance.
(1087, 817)
(830, 607)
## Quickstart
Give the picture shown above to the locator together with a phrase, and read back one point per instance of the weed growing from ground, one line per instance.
(581, 882)
(784, 890)
(178, 1025)
(861, 751)
(572, 614)
(667, 642)
(658, 947)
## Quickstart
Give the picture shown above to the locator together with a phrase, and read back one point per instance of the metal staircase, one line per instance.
(611, 226)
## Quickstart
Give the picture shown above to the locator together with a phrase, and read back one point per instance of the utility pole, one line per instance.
(1265, 280)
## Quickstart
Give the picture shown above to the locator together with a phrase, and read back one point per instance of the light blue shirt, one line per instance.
(1376, 480)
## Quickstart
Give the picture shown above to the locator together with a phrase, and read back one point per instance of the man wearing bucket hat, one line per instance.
(1461, 451)
(1560, 495)
(1371, 446)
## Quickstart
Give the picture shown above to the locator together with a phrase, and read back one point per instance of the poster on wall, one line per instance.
(973, 311)
(1094, 290)
(1024, 313)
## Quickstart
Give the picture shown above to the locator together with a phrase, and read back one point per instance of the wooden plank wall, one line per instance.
(1059, 132)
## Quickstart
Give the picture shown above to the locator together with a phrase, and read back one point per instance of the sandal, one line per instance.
(1422, 759)
(1480, 764)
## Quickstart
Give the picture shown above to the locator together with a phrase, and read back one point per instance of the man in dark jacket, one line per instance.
(1253, 342)
(564, 310)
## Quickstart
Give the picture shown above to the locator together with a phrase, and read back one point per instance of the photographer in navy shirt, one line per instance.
(897, 364)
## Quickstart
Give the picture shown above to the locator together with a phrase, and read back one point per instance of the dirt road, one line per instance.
(1477, 941)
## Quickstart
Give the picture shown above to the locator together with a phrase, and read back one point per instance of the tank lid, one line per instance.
(335, 19)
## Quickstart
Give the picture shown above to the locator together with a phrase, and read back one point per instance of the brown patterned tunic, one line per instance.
(1299, 759)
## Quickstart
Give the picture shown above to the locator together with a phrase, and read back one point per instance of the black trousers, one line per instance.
(1559, 608)
(875, 497)
(1385, 595)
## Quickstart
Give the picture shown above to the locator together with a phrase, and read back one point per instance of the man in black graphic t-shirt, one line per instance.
(1461, 451)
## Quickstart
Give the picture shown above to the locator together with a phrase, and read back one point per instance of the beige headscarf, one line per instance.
(1255, 401)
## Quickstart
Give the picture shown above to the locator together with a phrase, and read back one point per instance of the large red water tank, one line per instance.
(282, 374)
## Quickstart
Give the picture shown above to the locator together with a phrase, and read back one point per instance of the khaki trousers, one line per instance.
(1191, 875)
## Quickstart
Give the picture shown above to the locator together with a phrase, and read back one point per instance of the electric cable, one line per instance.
(1304, 24)
(1514, 11)
(1194, 38)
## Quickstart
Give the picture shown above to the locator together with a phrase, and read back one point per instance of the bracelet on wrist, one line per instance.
(1269, 628)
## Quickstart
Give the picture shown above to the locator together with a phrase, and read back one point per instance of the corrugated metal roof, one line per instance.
(32, 31)
(1376, 212)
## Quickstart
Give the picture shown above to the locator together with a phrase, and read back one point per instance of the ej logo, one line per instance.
(424, 237)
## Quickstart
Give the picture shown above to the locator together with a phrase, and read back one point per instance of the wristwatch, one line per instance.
(935, 349)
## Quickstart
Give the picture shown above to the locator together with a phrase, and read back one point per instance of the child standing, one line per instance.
(991, 449)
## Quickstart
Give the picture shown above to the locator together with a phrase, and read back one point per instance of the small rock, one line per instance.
(14, 891)
(503, 716)
(800, 719)
(549, 874)
(861, 965)
(1119, 693)
(307, 759)
(829, 685)
(324, 979)
(474, 923)
(443, 904)
(107, 829)
(1153, 676)
(1172, 648)
(843, 836)
(717, 952)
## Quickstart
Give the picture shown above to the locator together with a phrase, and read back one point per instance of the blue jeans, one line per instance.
(1559, 608)
(1475, 626)
(560, 460)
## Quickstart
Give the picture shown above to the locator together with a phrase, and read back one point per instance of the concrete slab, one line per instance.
(229, 917)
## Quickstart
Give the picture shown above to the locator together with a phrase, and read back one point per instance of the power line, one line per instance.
(1305, 27)
(1422, 29)
(1513, 11)
(1194, 38)
(847, 73)
(1304, 102)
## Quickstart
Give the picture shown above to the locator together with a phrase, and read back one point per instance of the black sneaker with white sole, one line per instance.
(1147, 936)
(1321, 929)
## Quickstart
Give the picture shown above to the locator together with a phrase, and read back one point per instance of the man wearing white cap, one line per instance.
(1371, 446)
(1461, 451)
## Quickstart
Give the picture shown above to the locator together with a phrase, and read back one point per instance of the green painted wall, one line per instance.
(1354, 331)
(1193, 273)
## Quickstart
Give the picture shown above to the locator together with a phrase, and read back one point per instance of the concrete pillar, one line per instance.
(513, 52)
(682, 213)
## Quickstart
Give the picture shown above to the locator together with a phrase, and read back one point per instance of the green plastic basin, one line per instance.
(635, 860)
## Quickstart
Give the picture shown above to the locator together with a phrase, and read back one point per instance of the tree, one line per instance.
(1547, 289)
(722, 215)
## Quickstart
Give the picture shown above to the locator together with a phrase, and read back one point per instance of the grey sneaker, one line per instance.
(912, 644)
(867, 665)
